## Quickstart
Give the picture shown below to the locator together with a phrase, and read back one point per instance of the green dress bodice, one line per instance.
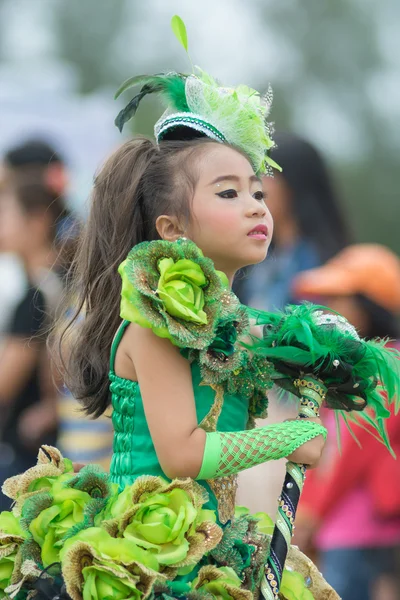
(133, 451)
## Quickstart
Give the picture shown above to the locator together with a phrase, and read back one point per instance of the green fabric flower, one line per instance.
(241, 511)
(119, 550)
(116, 506)
(71, 504)
(225, 339)
(293, 586)
(222, 583)
(6, 569)
(243, 548)
(161, 523)
(265, 524)
(98, 567)
(180, 289)
(11, 537)
(107, 581)
(50, 465)
(173, 289)
(171, 590)
(52, 524)
(167, 520)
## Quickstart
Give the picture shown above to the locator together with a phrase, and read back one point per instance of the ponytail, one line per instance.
(138, 183)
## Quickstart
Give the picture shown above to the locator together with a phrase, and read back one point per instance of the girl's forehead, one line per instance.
(223, 160)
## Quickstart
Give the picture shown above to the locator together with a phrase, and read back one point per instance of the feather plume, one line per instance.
(171, 87)
(309, 339)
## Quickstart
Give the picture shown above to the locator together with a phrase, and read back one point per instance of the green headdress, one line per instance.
(198, 106)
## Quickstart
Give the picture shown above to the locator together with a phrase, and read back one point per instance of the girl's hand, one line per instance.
(309, 453)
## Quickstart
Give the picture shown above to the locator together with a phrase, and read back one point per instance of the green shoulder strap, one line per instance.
(115, 343)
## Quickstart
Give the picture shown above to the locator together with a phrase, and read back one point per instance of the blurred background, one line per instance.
(334, 67)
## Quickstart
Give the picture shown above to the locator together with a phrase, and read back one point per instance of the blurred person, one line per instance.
(40, 158)
(36, 159)
(29, 213)
(82, 439)
(350, 506)
(308, 225)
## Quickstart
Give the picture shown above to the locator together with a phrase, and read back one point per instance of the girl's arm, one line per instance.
(183, 448)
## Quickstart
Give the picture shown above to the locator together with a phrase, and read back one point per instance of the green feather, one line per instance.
(338, 432)
(171, 87)
(351, 368)
(174, 93)
(179, 29)
(132, 81)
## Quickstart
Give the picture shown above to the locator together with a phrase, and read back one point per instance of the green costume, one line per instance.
(134, 534)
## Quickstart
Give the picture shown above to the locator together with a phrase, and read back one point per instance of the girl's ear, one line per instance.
(169, 228)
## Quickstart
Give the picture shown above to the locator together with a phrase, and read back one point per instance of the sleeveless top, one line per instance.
(133, 450)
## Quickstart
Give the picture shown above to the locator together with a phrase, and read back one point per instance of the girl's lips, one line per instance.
(257, 236)
(260, 232)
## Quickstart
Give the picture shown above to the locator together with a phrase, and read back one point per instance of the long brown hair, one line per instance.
(138, 183)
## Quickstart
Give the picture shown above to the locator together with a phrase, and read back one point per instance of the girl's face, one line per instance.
(229, 219)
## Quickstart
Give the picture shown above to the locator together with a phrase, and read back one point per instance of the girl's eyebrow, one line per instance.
(234, 178)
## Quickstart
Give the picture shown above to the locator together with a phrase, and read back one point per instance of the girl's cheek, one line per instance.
(222, 220)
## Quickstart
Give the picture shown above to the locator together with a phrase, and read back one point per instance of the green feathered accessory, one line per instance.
(311, 340)
(197, 105)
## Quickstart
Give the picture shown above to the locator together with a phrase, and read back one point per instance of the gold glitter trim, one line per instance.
(224, 488)
(209, 423)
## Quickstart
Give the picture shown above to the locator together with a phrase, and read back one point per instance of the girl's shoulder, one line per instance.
(171, 288)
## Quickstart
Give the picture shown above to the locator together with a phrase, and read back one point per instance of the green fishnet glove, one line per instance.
(230, 453)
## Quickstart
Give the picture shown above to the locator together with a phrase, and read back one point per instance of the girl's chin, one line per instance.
(255, 257)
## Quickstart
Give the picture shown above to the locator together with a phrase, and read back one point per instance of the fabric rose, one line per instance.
(167, 519)
(119, 550)
(264, 523)
(225, 339)
(116, 506)
(11, 537)
(50, 465)
(180, 289)
(222, 583)
(98, 567)
(243, 548)
(293, 586)
(63, 508)
(173, 289)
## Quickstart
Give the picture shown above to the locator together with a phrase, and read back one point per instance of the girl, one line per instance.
(176, 220)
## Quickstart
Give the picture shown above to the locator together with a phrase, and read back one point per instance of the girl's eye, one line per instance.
(228, 194)
(259, 195)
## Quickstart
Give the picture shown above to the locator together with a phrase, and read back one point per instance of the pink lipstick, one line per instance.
(259, 232)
